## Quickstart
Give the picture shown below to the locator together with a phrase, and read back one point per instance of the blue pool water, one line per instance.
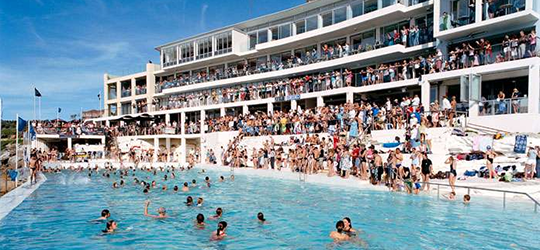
(301, 216)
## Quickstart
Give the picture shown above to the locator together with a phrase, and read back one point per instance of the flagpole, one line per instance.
(99, 100)
(39, 101)
(17, 149)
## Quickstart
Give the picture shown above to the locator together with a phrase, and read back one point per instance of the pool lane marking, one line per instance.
(11, 200)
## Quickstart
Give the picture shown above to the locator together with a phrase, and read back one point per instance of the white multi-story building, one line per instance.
(196, 75)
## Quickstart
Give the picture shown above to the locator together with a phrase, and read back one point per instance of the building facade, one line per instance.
(329, 52)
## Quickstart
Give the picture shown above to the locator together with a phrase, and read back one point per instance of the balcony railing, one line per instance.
(141, 91)
(501, 8)
(504, 106)
(126, 93)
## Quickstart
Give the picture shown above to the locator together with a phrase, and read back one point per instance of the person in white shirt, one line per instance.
(445, 103)
(416, 101)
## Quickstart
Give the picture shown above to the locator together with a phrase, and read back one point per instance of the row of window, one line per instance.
(204, 49)
(310, 23)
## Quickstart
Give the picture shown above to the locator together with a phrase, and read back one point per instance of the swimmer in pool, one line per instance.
(189, 201)
(219, 212)
(207, 179)
(451, 196)
(175, 188)
(115, 185)
(348, 229)
(162, 212)
(232, 177)
(111, 226)
(200, 221)
(200, 201)
(219, 234)
(221, 178)
(185, 188)
(339, 234)
(105, 214)
(193, 183)
(466, 199)
(164, 188)
(260, 217)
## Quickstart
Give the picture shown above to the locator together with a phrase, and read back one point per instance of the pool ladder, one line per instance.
(302, 176)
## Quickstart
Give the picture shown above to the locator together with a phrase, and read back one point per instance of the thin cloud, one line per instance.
(203, 16)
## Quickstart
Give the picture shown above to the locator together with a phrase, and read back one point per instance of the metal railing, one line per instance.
(504, 192)
(504, 106)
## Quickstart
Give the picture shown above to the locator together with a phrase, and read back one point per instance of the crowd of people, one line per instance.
(406, 36)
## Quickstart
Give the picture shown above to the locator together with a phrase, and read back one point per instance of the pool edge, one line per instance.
(15, 197)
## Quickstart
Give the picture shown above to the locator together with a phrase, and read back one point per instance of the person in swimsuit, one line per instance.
(105, 214)
(189, 201)
(219, 234)
(490, 157)
(453, 173)
(200, 221)
(427, 169)
(219, 212)
(260, 217)
(162, 212)
(347, 228)
(339, 234)
(111, 226)
(378, 162)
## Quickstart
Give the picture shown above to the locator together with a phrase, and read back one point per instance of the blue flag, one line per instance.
(22, 124)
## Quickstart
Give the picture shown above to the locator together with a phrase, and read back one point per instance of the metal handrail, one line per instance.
(536, 203)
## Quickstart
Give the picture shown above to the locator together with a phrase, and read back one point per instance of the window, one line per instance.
(112, 109)
(263, 36)
(252, 40)
(275, 33)
(284, 31)
(363, 40)
(326, 19)
(205, 47)
(369, 6)
(340, 15)
(357, 8)
(186, 52)
(387, 3)
(223, 43)
(300, 27)
(112, 91)
(312, 23)
(169, 56)
(126, 108)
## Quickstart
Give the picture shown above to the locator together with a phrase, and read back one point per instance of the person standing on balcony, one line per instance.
(532, 43)
(523, 40)
(537, 170)
(515, 101)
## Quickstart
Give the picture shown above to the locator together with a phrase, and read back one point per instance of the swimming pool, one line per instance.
(301, 216)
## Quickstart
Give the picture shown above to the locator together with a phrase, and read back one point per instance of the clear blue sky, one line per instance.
(64, 47)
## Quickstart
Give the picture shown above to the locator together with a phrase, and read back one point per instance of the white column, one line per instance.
(294, 104)
(168, 146)
(167, 119)
(425, 94)
(270, 108)
(320, 101)
(443, 91)
(534, 88)
(103, 142)
(245, 109)
(183, 152)
(478, 11)
(202, 120)
(349, 97)
(69, 143)
(222, 111)
(529, 5)
(156, 149)
(183, 123)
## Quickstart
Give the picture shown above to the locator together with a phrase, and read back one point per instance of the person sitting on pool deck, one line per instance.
(185, 188)
(105, 214)
(220, 232)
(162, 213)
(466, 199)
(111, 226)
(219, 212)
(339, 234)
(189, 201)
(200, 201)
(347, 226)
(200, 221)
(260, 217)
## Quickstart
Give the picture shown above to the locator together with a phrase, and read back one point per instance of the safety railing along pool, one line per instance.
(504, 192)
